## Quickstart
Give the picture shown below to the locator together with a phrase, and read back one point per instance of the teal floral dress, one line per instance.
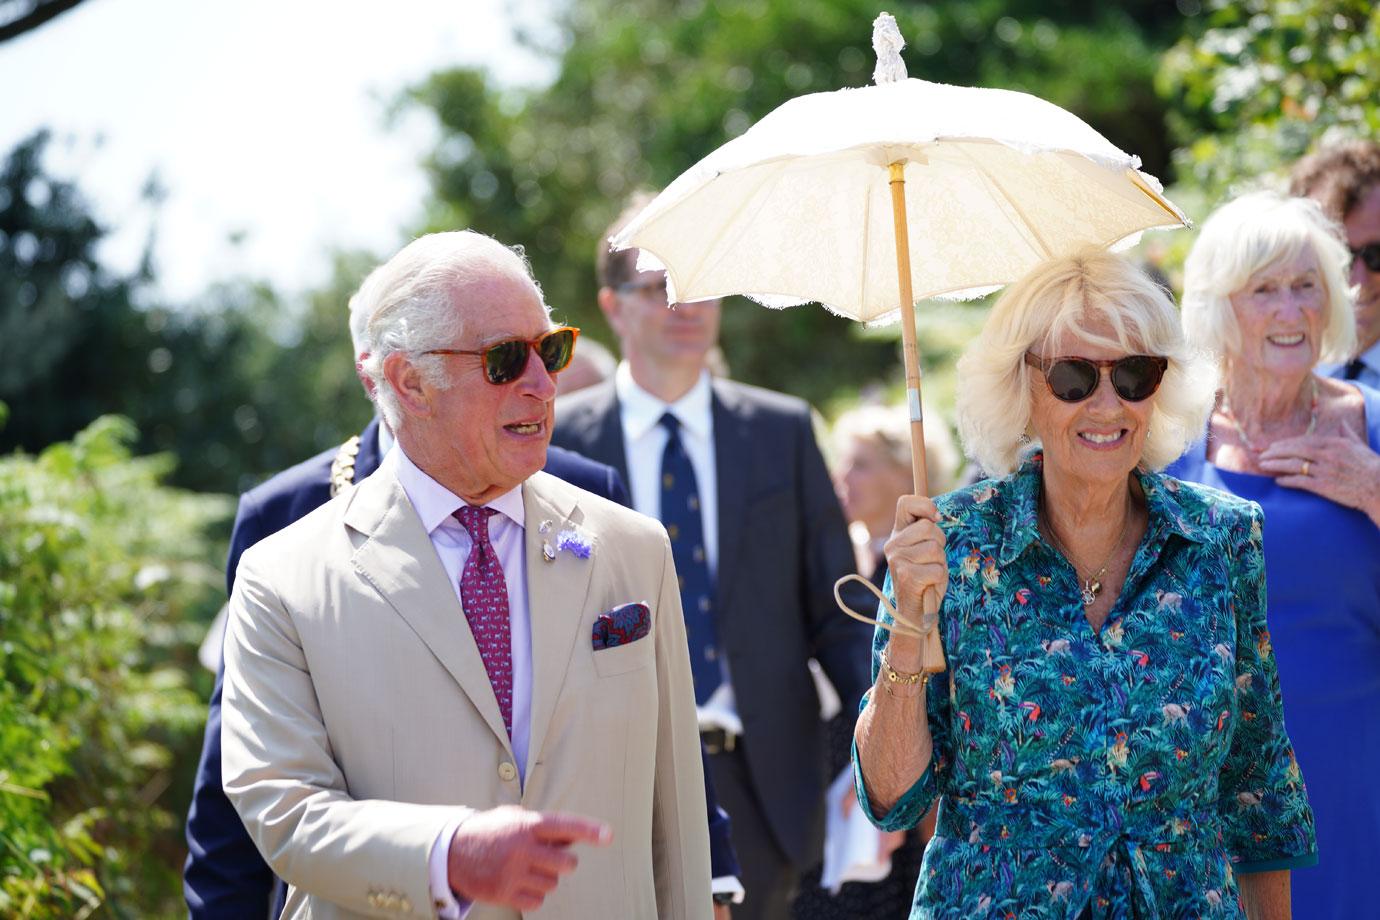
(1128, 773)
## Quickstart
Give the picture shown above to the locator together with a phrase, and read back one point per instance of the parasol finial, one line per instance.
(887, 42)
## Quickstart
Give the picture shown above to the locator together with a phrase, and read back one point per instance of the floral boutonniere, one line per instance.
(572, 539)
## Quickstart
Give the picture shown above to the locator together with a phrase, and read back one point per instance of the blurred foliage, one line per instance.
(1258, 83)
(106, 582)
(240, 384)
(645, 88)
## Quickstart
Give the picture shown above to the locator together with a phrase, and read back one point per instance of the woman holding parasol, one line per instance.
(1109, 741)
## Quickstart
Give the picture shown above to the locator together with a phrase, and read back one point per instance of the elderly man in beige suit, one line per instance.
(462, 687)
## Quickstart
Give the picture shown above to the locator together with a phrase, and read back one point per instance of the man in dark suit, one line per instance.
(736, 476)
(225, 876)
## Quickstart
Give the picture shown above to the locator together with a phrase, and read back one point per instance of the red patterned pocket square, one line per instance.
(622, 625)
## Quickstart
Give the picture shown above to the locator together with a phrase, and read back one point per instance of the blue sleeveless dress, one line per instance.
(1322, 572)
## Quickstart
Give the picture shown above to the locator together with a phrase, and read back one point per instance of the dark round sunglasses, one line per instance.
(1074, 379)
(504, 361)
(1369, 255)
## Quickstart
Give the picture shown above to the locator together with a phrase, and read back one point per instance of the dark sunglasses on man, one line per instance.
(1369, 255)
(1072, 379)
(504, 361)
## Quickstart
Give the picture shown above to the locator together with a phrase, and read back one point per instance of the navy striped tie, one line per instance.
(680, 512)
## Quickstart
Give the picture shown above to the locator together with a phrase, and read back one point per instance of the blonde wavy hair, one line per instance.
(1063, 297)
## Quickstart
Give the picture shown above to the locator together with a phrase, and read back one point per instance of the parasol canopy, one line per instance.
(860, 198)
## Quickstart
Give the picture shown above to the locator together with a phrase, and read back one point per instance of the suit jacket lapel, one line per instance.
(397, 558)
(601, 434)
(556, 593)
(732, 448)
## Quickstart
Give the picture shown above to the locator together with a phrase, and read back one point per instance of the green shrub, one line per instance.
(106, 582)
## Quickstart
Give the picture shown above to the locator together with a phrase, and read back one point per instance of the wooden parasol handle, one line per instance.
(925, 621)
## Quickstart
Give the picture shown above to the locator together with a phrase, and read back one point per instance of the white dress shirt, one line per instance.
(436, 505)
(644, 441)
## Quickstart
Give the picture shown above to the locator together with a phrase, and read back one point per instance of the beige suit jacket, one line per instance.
(359, 721)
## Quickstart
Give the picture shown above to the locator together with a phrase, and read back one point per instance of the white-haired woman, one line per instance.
(1265, 288)
(1108, 740)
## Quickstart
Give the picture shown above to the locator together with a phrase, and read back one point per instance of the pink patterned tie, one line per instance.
(484, 595)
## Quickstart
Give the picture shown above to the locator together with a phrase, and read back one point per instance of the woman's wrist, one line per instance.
(904, 652)
(896, 682)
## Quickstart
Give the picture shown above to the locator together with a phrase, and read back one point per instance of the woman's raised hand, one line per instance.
(915, 557)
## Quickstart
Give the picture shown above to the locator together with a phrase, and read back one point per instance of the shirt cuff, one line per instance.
(448, 907)
(728, 884)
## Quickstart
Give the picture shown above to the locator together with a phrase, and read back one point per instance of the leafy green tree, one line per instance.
(644, 88)
(238, 384)
(1258, 83)
(105, 578)
(251, 381)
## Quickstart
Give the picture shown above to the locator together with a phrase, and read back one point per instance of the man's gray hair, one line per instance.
(409, 304)
(1252, 233)
(1059, 298)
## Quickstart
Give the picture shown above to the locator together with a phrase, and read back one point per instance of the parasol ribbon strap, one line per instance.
(902, 625)
(927, 630)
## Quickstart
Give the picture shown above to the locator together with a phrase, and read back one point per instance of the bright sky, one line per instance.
(263, 118)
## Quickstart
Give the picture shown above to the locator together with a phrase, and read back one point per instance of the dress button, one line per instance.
(507, 772)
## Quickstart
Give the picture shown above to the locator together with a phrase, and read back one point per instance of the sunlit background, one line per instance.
(190, 192)
(266, 125)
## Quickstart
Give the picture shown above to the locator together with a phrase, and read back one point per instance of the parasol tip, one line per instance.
(887, 42)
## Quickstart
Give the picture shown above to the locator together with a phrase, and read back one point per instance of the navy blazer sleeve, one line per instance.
(225, 877)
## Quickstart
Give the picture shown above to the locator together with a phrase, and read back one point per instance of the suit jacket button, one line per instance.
(405, 905)
(507, 772)
(373, 899)
(390, 902)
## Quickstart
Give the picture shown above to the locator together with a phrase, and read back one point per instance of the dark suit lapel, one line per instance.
(400, 562)
(732, 448)
(599, 427)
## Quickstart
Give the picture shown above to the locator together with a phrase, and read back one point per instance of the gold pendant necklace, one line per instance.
(1091, 587)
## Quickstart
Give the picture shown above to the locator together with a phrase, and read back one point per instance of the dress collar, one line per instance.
(1022, 501)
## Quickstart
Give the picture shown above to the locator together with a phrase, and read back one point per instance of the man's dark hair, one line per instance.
(615, 268)
(1337, 176)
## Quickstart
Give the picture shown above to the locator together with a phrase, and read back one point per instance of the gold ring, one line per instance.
(1306, 465)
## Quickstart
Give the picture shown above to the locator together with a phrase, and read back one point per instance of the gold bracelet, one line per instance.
(902, 679)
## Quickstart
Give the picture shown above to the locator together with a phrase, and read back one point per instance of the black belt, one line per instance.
(718, 740)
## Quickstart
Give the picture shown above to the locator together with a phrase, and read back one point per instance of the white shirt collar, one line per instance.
(642, 411)
(434, 503)
(386, 439)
